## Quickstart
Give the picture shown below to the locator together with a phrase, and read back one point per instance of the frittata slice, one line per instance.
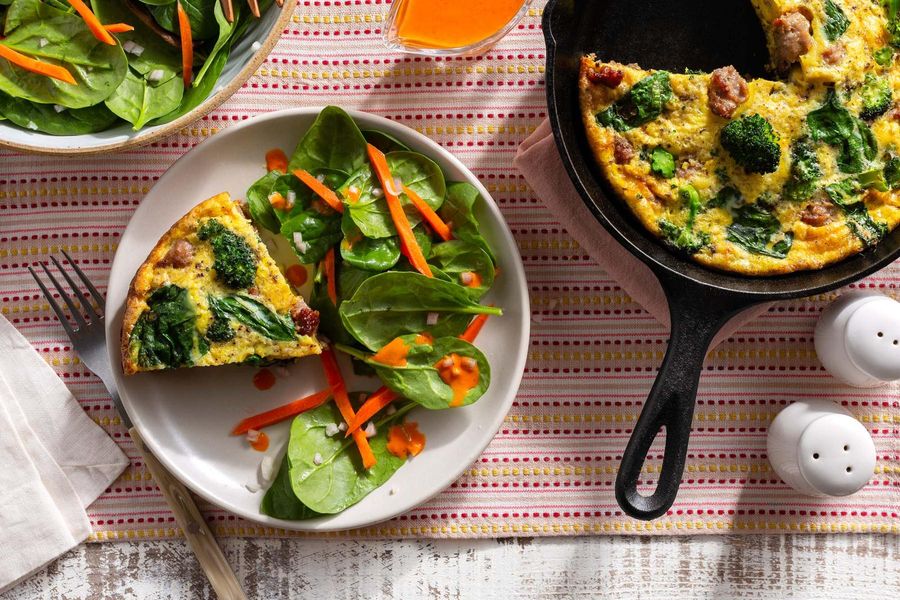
(210, 294)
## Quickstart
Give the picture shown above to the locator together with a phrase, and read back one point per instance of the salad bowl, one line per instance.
(246, 55)
(185, 415)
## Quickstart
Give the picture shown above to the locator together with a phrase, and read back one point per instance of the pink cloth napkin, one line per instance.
(542, 167)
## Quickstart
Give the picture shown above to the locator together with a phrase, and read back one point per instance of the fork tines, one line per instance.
(82, 297)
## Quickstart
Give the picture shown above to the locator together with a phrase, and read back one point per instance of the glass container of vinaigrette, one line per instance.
(451, 27)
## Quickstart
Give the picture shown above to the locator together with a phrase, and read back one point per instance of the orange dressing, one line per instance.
(264, 379)
(296, 275)
(352, 194)
(474, 278)
(405, 439)
(276, 160)
(442, 24)
(424, 339)
(262, 442)
(394, 354)
(277, 201)
(460, 374)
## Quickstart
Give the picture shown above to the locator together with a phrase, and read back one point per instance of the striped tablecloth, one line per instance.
(594, 352)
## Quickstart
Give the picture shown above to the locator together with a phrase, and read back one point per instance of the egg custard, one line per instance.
(768, 176)
(210, 294)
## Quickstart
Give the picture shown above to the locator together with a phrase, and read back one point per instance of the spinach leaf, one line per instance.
(420, 381)
(684, 238)
(65, 40)
(261, 210)
(456, 257)
(836, 22)
(846, 194)
(165, 334)
(392, 304)
(383, 141)
(642, 104)
(891, 172)
(834, 125)
(156, 55)
(280, 501)
(138, 101)
(195, 95)
(805, 171)
(46, 118)
(365, 253)
(223, 38)
(755, 229)
(312, 233)
(201, 14)
(332, 143)
(458, 211)
(370, 211)
(892, 11)
(339, 479)
(255, 315)
(728, 197)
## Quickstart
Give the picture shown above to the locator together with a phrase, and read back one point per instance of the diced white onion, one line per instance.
(370, 430)
(342, 427)
(317, 459)
(331, 429)
(377, 192)
(299, 243)
(466, 277)
(320, 178)
(447, 363)
(353, 190)
(32, 126)
(398, 185)
(431, 318)
(266, 469)
(156, 75)
(252, 435)
(59, 108)
(469, 363)
(291, 197)
(43, 42)
(132, 48)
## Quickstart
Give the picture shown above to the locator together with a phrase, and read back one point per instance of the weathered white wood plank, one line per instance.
(713, 567)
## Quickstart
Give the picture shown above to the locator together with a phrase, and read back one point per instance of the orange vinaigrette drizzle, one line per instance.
(460, 373)
(454, 24)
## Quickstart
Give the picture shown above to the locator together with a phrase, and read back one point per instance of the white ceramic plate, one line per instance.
(185, 416)
(246, 56)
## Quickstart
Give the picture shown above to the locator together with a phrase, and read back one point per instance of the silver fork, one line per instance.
(89, 340)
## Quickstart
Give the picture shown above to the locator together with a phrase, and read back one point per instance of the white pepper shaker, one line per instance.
(818, 448)
(858, 339)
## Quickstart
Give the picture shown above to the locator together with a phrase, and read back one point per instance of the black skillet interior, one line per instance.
(663, 34)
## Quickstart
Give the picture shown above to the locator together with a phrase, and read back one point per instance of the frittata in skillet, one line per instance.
(210, 294)
(762, 177)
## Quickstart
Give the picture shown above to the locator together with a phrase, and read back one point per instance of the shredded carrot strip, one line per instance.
(339, 391)
(328, 265)
(371, 407)
(408, 244)
(285, 411)
(36, 66)
(276, 160)
(93, 23)
(187, 45)
(429, 215)
(320, 189)
(474, 328)
(118, 28)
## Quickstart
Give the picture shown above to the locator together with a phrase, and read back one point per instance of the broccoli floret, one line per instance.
(685, 238)
(892, 172)
(219, 329)
(876, 97)
(662, 163)
(805, 171)
(234, 261)
(753, 144)
(642, 104)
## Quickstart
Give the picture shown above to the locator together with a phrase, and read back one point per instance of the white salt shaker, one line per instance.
(819, 449)
(858, 339)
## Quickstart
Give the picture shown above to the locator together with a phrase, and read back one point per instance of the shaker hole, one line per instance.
(880, 334)
(846, 448)
(849, 469)
(816, 456)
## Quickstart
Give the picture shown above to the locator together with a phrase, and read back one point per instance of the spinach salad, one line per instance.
(72, 67)
(400, 269)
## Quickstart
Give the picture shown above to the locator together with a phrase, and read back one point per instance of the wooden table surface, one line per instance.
(802, 567)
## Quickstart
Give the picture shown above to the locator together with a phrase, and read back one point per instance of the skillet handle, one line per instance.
(695, 321)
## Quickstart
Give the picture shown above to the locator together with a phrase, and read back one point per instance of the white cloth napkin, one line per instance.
(54, 461)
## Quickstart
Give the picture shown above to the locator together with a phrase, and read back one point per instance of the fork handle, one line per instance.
(221, 577)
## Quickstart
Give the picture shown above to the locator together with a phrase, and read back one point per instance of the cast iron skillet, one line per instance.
(661, 34)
